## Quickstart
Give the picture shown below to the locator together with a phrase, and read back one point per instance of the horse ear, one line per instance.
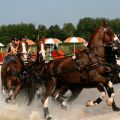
(104, 23)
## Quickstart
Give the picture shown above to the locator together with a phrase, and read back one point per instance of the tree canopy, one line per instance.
(83, 29)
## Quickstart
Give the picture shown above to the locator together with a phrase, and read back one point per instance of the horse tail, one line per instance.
(31, 91)
(4, 69)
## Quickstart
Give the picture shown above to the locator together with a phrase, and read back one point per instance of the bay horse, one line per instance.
(88, 69)
(36, 79)
(112, 55)
(111, 50)
(12, 69)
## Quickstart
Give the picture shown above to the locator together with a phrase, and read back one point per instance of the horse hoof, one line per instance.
(117, 109)
(39, 96)
(4, 92)
(8, 100)
(89, 103)
(109, 102)
(63, 107)
(13, 101)
(48, 117)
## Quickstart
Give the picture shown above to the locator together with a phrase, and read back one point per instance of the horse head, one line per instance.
(110, 38)
(108, 34)
(22, 50)
(41, 50)
(102, 36)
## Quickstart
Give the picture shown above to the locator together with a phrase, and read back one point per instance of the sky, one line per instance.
(52, 12)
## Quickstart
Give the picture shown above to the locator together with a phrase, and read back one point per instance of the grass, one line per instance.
(67, 48)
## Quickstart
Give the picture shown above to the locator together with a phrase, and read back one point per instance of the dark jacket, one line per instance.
(110, 54)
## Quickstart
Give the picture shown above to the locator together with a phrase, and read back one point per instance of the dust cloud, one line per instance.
(77, 110)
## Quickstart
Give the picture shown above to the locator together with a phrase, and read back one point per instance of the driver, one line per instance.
(12, 47)
(111, 53)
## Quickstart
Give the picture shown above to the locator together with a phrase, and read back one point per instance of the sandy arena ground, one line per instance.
(76, 111)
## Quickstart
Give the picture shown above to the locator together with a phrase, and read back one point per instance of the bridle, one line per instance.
(22, 51)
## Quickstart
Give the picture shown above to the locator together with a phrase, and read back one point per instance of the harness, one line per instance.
(10, 58)
(112, 72)
(13, 48)
(91, 65)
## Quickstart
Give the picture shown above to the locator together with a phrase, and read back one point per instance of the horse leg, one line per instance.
(3, 88)
(40, 91)
(10, 91)
(106, 82)
(100, 87)
(18, 86)
(57, 95)
(111, 93)
(75, 93)
(114, 106)
(49, 87)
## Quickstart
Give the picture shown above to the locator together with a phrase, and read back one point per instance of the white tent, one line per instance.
(1, 45)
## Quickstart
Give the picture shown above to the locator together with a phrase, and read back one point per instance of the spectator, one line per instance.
(56, 47)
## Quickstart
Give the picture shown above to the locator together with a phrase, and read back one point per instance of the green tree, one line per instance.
(55, 32)
(4, 35)
(69, 29)
(27, 30)
(115, 25)
(42, 31)
(87, 25)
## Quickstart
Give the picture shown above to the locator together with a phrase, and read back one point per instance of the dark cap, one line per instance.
(14, 38)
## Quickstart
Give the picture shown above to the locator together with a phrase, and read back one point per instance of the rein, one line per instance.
(91, 65)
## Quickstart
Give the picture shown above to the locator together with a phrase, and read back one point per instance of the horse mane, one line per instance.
(93, 36)
(103, 24)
